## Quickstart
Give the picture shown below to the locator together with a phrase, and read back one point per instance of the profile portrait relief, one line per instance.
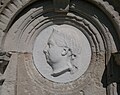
(62, 51)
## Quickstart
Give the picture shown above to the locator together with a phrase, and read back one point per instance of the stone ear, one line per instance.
(73, 56)
(65, 51)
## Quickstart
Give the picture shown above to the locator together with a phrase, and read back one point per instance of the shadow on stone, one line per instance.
(4, 60)
(111, 77)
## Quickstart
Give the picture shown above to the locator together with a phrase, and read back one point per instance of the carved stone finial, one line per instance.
(61, 5)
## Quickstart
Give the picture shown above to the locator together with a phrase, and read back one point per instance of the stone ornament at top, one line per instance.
(61, 53)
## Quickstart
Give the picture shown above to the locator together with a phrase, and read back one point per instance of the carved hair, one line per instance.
(67, 38)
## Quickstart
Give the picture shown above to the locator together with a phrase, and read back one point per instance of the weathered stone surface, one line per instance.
(10, 76)
(21, 24)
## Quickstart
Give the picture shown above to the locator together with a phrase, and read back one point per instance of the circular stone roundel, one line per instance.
(61, 53)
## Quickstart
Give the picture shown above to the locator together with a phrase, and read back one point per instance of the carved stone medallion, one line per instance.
(61, 53)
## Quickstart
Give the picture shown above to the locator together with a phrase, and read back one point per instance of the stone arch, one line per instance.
(14, 7)
(7, 13)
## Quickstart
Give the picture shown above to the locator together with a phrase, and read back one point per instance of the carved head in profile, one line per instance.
(62, 49)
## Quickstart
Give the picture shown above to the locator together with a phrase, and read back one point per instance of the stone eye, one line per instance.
(49, 45)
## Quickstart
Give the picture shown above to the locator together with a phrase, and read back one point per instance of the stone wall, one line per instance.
(96, 19)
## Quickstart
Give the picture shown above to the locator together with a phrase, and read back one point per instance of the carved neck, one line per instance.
(61, 68)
